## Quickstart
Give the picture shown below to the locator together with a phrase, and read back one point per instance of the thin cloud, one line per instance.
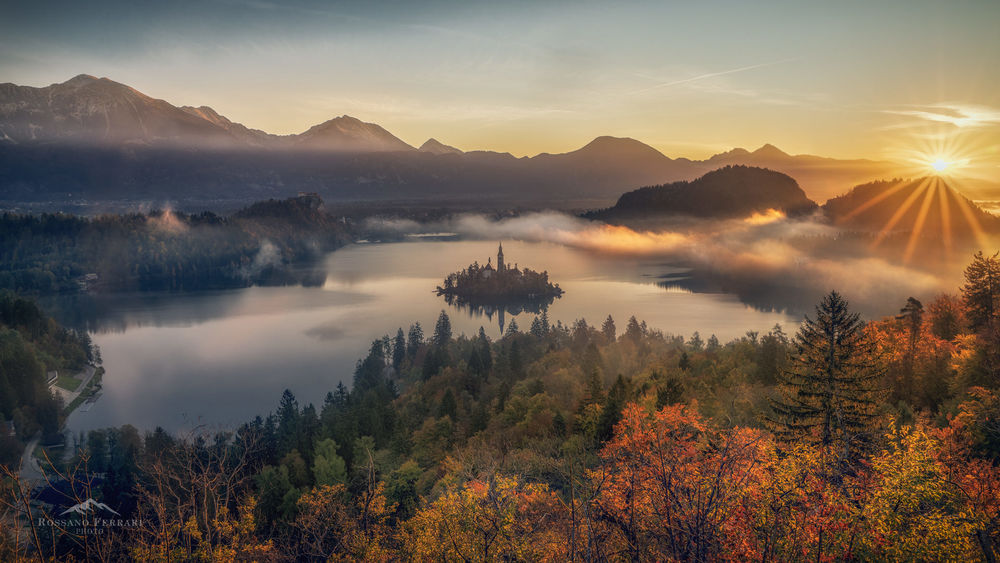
(710, 75)
(960, 115)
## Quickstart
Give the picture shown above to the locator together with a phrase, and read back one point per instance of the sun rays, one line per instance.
(916, 217)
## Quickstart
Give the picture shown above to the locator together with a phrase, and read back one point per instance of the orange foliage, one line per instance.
(673, 488)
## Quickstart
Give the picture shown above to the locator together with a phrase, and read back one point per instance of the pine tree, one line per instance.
(611, 412)
(830, 394)
(608, 330)
(536, 328)
(633, 331)
(485, 353)
(398, 350)
(713, 344)
(595, 389)
(696, 343)
(912, 315)
(512, 329)
(981, 292)
(442, 330)
(415, 340)
(288, 422)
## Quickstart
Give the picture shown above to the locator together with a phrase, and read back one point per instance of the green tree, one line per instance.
(830, 394)
(512, 329)
(536, 329)
(288, 422)
(398, 350)
(608, 330)
(448, 407)
(328, 467)
(633, 331)
(981, 292)
(442, 330)
(485, 352)
(696, 343)
(415, 339)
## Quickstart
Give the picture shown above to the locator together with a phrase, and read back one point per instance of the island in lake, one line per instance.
(489, 289)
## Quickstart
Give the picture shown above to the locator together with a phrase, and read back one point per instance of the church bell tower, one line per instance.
(500, 265)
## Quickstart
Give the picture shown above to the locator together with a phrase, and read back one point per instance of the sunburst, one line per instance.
(945, 153)
(938, 161)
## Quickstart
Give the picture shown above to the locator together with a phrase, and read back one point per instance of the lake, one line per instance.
(219, 358)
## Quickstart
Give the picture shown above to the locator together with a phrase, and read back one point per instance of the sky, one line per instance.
(871, 79)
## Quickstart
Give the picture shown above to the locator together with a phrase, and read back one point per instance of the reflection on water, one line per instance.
(501, 308)
(181, 359)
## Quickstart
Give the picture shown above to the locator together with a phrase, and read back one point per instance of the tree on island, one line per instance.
(486, 283)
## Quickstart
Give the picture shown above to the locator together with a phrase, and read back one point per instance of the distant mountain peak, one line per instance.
(81, 79)
(607, 145)
(434, 146)
(770, 151)
(608, 140)
(736, 152)
(346, 133)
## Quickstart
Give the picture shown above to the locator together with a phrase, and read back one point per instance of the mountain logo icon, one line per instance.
(88, 506)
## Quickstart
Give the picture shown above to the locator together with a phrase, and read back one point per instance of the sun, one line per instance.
(940, 165)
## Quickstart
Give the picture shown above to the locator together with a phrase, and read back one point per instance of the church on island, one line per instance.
(488, 271)
(489, 283)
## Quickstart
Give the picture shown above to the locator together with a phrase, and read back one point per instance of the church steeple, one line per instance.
(500, 259)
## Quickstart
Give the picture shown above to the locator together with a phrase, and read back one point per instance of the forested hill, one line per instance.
(931, 205)
(165, 250)
(32, 344)
(732, 191)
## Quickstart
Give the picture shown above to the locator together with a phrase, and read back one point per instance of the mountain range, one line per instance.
(95, 139)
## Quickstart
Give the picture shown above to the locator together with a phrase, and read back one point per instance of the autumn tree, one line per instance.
(330, 525)
(194, 503)
(914, 511)
(673, 487)
(495, 519)
(968, 465)
(946, 317)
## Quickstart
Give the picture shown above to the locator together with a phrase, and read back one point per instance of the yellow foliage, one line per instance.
(914, 512)
(498, 519)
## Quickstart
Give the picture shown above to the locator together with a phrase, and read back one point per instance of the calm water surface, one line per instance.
(178, 360)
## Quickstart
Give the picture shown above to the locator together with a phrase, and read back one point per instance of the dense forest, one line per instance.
(32, 344)
(260, 244)
(847, 440)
